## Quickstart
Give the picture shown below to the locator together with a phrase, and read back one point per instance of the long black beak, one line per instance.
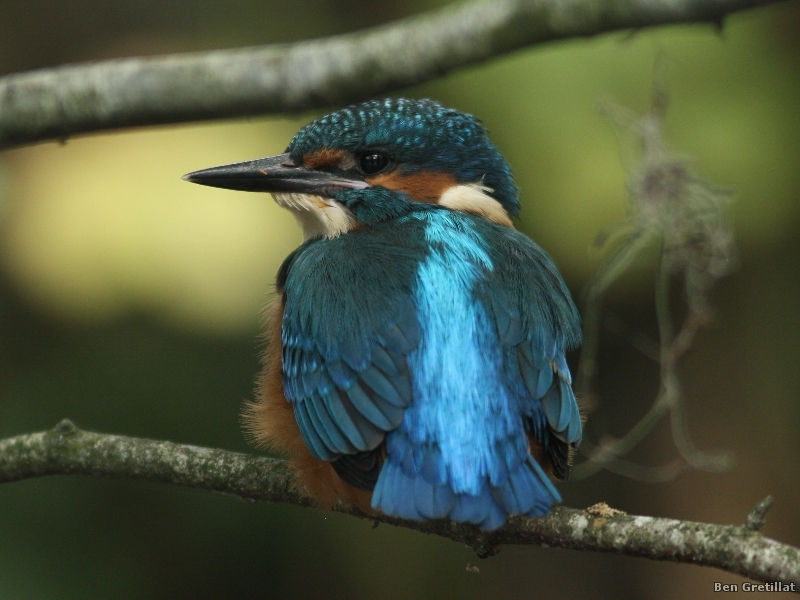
(273, 174)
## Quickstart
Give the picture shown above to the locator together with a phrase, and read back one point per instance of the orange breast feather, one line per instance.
(271, 424)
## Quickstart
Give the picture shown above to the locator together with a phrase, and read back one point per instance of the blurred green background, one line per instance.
(129, 302)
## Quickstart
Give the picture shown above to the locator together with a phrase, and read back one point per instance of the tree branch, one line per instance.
(737, 549)
(59, 102)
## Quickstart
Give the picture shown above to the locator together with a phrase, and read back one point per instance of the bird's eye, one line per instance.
(373, 162)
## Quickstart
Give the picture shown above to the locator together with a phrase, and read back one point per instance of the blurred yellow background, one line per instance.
(112, 228)
(130, 300)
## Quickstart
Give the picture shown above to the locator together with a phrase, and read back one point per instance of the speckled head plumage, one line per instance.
(374, 161)
(418, 136)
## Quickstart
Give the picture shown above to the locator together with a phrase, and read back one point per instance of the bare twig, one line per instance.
(687, 216)
(68, 450)
(621, 261)
(757, 517)
(64, 101)
(646, 345)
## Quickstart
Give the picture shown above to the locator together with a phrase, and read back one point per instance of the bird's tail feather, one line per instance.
(409, 495)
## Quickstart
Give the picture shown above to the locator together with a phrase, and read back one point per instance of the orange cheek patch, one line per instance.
(326, 157)
(425, 186)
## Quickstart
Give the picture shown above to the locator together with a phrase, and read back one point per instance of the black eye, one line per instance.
(373, 162)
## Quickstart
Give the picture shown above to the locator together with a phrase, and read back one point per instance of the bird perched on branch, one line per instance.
(415, 362)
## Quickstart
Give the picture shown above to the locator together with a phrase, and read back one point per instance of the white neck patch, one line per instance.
(473, 198)
(317, 216)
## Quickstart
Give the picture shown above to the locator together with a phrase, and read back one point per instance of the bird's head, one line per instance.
(374, 161)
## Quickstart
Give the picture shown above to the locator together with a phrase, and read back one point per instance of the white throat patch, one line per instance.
(317, 216)
(473, 198)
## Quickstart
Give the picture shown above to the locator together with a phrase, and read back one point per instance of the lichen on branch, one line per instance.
(68, 450)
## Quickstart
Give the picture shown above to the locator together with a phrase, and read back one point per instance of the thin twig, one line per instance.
(687, 215)
(642, 342)
(660, 474)
(669, 401)
(757, 517)
(620, 262)
(69, 450)
(672, 349)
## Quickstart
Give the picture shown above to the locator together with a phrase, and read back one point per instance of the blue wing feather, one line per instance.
(383, 360)
(370, 407)
(343, 376)
(568, 428)
(530, 288)
(325, 429)
(382, 387)
(353, 426)
(312, 436)
(344, 343)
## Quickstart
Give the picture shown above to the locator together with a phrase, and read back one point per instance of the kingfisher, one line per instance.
(415, 359)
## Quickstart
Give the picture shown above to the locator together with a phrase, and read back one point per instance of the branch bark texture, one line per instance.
(59, 102)
(68, 450)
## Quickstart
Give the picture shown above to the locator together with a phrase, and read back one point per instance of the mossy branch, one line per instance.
(60, 102)
(737, 549)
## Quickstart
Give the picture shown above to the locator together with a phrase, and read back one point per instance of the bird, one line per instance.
(415, 353)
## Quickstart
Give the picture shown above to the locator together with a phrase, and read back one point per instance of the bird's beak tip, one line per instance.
(197, 176)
